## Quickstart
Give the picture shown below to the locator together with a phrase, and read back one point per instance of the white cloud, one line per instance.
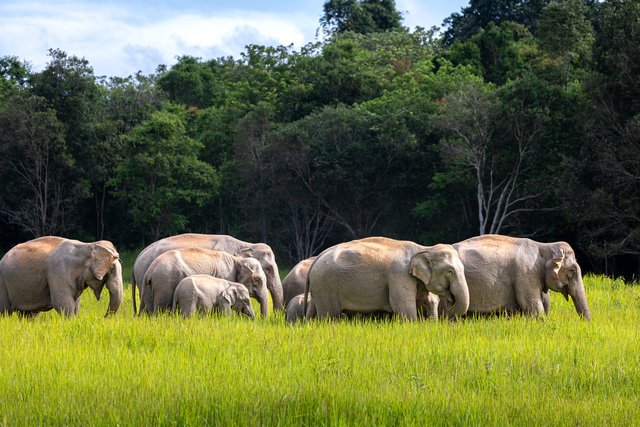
(117, 42)
(427, 13)
(120, 37)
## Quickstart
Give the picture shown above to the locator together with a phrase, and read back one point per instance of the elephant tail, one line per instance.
(305, 307)
(133, 292)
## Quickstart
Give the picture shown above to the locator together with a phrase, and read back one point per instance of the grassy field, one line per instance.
(231, 371)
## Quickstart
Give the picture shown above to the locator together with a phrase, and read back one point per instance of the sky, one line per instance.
(120, 38)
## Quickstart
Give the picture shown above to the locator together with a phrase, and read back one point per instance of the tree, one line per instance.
(499, 52)
(565, 31)
(480, 13)
(350, 162)
(14, 74)
(360, 16)
(125, 103)
(35, 162)
(161, 177)
(617, 61)
(500, 163)
(71, 90)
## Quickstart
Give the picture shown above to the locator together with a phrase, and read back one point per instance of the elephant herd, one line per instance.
(201, 273)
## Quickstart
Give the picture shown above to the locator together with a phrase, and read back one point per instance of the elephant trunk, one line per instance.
(263, 299)
(460, 292)
(579, 298)
(275, 288)
(250, 313)
(116, 291)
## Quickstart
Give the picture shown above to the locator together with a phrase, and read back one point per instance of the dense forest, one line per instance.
(519, 117)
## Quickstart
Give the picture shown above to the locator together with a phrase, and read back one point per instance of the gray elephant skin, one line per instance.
(294, 283)
(295, 309)
(167, 270)
(508, 274)
(205, 294)
(52, 272)
(379, 274)
(260, 251)
(427, 304)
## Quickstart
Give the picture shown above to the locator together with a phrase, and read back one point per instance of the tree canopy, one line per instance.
(521, 118)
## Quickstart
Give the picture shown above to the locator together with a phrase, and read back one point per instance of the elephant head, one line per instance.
(442, 272)
(104, 268)
(237, 297)
(263, 253)
(251, 274)
(563, 274)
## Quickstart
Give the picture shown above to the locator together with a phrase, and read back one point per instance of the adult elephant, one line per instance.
(509, 274)
(52, 272)
(260, 251)
(165, 273)
(378, 274)
(294, 282)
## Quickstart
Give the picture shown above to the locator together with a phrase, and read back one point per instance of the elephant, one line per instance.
(260, 251)
(512, 274)
(427, 303)
(167, 270)
(293, 286)
(294, 282)
(52, 272)
(205, 294)
(379, 274)
(295, 308)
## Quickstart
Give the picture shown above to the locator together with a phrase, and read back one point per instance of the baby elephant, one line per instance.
(295, 309)
(204, 294)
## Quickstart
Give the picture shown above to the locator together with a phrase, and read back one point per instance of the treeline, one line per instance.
(521, 118)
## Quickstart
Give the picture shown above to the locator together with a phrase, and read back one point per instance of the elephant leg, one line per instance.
(187, 308)
(546, 302)
(402, 298)
(160, 303)
(143, 306)
(326, 307)
(311, 311)
(63, 304)
(5, 307)
(529, 300)
(27, 314)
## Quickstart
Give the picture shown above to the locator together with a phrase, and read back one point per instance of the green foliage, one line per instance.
(35, 159)
(350, 160)
(231, 371)
(481, 13)
(499, 52)
(360, 16)
(346, 137)
(13, 75)
(617, 58)
(565, 31)
(160, 176)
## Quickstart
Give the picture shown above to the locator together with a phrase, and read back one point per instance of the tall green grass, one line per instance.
(232, 371)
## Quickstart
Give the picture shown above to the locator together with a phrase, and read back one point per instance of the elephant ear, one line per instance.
(420, 267)
(555, 263)
(102, 259)
(254, 267)
(245, 252)
(229, 295)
